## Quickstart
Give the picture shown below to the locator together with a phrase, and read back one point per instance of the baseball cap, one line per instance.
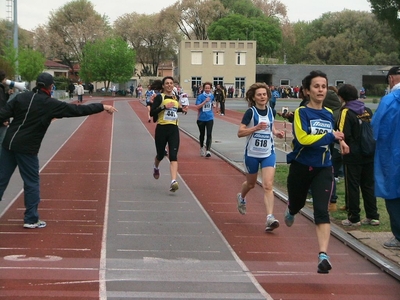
(392, 71)
(45, 79)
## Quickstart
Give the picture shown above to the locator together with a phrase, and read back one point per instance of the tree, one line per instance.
(264, 30)
(388, 10)
(69, 29)
(192, 17)
(30, 64)
(152, 37)
(341, 38)
(107, 60)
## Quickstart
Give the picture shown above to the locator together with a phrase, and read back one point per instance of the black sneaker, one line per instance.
(324, 265)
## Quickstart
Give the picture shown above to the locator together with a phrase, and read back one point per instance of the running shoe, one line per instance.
(174, 186)
(208, 154)
(393, 243)
(241, 204)
(202, 152)
(38, 224)
(271, 224)
(347, 222)
(156, 173)
(372, 222)
(289, 218)
(324, 265)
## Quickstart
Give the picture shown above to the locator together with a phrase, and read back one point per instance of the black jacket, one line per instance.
(3, 98)
(32, 114)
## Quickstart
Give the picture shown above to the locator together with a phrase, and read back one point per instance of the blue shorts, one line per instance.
(252, 164)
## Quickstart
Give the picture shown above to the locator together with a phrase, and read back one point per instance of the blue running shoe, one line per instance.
(289, 219)
(324, 265)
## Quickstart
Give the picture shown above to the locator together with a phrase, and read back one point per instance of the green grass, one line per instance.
(336, 217)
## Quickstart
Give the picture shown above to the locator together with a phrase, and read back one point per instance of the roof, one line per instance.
(49, 64)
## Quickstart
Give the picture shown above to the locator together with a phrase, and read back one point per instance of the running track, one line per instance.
(63, 260)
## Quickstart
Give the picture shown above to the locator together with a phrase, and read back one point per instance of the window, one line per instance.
(239, 83)
(218, 58)
(339, 82)
(240, 58)
(218, 80)
(196, 81)
(285, 82)
(197, 58)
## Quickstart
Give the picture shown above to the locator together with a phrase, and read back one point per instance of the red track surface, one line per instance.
(73, 192)
(74, 186)
(285, 261)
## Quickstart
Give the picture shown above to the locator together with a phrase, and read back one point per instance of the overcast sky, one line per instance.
(32, 13)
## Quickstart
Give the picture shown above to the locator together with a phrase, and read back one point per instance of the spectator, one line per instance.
(386, 126)
(32, 113)
(358, 168)
(80, 91)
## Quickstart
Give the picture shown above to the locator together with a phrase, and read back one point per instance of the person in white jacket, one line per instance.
(80, 91)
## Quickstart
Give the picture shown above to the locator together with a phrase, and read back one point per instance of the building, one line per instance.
(56, 69)
(229, 63)
(292, 75)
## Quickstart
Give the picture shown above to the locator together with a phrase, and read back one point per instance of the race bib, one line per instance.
(170, 114)
(320, 126)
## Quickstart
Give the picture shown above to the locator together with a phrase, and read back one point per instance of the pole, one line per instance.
(16, 39)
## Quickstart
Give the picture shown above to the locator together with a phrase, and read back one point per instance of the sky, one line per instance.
(30, 14)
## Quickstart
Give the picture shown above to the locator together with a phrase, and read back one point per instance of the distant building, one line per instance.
(292, 75)
(56, 69)
(229, 63)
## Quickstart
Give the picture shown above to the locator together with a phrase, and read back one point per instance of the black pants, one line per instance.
(355, 177)
(222, 106)
(203, 125)
(320, 180)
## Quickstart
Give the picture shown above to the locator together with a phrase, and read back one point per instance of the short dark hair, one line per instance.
(207, 83)
(348, 92)
(306, 82)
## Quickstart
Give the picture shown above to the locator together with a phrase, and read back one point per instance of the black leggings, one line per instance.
(320, 180)
(167, 134)
(202, 128)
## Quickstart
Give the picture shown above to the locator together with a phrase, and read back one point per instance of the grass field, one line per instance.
(336, 217)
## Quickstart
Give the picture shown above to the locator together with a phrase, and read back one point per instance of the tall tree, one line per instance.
(107, 60)
(344, 38)
(192, 17)
(69, 29)
(388, 10)
(152, 37)
(264, 30)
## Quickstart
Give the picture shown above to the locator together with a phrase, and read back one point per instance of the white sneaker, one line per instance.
(202, 152)
(38, 224)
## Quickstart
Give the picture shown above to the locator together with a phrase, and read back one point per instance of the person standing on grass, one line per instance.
(358, 167)
(205, 117)
(258, 127)
(386, 128)
(32, 113)
(164, 111)
(310, 161)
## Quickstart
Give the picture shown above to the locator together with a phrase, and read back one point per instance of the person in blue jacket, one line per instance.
(386, 128)
(205, 117)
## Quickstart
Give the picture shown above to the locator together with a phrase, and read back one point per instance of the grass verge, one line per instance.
(336, 217)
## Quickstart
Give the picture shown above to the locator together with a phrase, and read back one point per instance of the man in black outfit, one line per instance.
(32, 113)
